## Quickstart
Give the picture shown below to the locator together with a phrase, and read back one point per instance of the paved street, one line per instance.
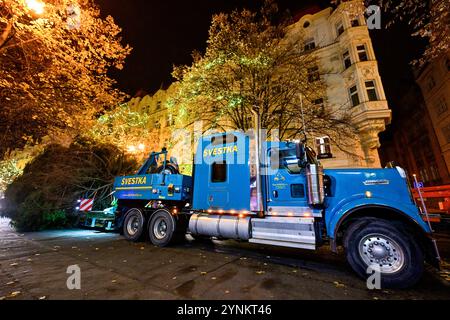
(33, 266)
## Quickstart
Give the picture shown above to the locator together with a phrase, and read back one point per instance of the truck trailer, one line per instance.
(278, 194)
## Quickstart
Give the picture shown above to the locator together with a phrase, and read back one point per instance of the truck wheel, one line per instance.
(170, 169)
(383, 247)
(133, 225)
(163, 229)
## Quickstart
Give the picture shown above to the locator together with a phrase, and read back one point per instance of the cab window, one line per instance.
(285, 159)
(219, 172)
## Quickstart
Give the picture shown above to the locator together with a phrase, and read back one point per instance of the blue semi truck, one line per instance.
(278, 194)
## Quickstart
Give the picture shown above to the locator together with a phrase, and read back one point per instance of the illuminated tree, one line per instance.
(54, 59)
(128, 130)
(430, 19)
(249, 61)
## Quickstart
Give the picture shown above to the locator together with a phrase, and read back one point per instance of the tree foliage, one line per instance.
(45, 195)
(250, 61)
(54, 65)
(124, 127)
(429, 19)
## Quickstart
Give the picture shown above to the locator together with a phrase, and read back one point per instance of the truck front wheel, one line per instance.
(378, 246)
(134, 225)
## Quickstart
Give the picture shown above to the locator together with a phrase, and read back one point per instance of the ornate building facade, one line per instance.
(434, 81)
(347, 61)
(340, 39)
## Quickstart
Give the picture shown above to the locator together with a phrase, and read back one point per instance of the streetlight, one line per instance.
(35, 5)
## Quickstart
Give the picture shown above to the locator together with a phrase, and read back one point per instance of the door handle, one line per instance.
(275, 194)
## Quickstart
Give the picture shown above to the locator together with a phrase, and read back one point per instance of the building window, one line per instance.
(431, 83)
(441, 106)
(435, 176)
(323, 148)
(347, 60)
(310, 45)
(354, 97)
(424, 175)
(313, 74)
(219, 172)
(446, 132)
(319, 103)
(355, 22)
(371, 90)
(339, 29)
(362, 52)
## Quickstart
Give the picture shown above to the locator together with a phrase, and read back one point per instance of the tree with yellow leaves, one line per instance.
(54, 61)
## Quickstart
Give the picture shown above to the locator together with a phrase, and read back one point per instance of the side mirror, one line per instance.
(300, 154)
(299, 151)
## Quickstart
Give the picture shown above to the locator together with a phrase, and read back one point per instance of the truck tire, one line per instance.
(134, 225)
(387, 248)
(165, 229)
(170, 169)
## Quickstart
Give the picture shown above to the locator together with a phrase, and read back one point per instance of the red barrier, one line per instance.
(437, 200)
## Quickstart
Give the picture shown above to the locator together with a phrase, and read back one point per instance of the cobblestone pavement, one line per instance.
(34, 265)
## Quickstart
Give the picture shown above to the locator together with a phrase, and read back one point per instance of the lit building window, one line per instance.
(371, 90)
(347, 60)
(339, 29)
(323, 148)
(313, 74)
(441, 106)
(354, 97)
(362, 52)
(310, 45)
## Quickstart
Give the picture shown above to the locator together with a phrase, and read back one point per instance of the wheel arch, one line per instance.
(379, 212)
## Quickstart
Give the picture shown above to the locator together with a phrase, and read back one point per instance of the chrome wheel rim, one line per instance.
(160, 228)
(133, 225)
(381, 252)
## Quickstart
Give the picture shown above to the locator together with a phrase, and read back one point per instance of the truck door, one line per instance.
(286, 183)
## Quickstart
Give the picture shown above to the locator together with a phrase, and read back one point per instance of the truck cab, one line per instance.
(278, 194)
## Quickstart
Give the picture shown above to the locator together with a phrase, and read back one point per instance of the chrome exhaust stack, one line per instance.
(316, 191)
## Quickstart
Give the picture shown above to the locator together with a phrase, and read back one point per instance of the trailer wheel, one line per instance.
(169, 169)
(164, 229)
(387, 249)
(134, 225)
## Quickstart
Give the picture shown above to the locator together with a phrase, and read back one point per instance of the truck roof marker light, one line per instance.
(241, 215)
(290, 214)
(221, 211)
(233, 211)
(308, 214)
(368, 194)
(209, 211)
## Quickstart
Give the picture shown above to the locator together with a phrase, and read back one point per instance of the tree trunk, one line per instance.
(5, 34)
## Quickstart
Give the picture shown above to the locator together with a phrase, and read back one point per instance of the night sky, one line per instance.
(164, 33)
